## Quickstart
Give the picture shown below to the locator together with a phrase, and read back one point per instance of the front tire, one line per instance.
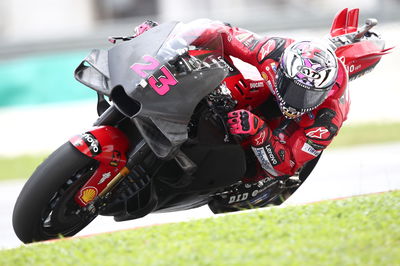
(45, 208)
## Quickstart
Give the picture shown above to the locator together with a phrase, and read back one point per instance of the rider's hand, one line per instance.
(145, 26)
(243, 122)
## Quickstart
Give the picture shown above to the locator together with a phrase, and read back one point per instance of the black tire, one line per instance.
(45, 208)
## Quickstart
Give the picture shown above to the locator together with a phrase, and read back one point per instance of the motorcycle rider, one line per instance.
(304, 95)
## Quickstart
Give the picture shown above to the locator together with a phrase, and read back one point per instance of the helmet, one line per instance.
(306, 73)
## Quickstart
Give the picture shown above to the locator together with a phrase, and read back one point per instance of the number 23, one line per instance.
(162, 84)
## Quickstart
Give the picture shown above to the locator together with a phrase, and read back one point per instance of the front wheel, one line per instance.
(45, 208)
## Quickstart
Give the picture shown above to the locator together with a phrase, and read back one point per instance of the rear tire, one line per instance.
(45, 208)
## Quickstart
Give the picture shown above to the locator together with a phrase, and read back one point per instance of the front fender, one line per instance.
(107, 145)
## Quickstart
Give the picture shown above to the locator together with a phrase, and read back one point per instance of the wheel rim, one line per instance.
(62, 215)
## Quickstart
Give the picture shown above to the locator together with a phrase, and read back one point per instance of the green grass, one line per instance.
(357, 231)
(366, 134)
(21, 167)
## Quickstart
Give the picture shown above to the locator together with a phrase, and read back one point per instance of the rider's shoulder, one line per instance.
(272, 48)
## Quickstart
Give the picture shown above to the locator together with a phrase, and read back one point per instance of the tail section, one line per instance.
(357, 47)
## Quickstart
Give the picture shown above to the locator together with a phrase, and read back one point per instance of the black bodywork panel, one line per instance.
(219, 164)
(161, 119)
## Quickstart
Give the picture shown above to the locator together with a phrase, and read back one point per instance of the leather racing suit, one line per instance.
(284, 145)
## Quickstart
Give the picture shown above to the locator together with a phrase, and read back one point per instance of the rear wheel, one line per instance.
(45, 208)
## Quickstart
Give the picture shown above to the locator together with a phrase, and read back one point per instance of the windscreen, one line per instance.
(154, 62)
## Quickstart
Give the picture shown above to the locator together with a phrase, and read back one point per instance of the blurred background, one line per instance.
(43, 41)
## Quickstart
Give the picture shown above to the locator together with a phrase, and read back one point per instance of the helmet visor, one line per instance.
(299, 96)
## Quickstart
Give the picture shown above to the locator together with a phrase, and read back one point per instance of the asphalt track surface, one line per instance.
(340, 173)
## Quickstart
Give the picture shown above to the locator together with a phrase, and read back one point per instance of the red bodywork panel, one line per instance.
(362, 55)
(107, 145)
(247, 92)
(345, 22)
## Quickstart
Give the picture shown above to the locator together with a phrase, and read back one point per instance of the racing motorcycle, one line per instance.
(160, 143)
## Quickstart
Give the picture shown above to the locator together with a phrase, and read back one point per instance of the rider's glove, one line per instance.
(145, 26)
(243, 122)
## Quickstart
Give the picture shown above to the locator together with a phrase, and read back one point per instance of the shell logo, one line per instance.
(88, 194)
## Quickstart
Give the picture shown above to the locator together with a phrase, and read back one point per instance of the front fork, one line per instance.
(108, 146)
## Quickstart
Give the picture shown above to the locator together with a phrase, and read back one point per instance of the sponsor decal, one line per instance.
(260, 139)
(273, 66)
(255, 85)
(265, 50)
(318, 133)
(315, 145)
(92, 143)
(78, 143)
(88, 194)
(282, 155)
(237, 198)
(104, 177)
(251, 43)
(116, 158)
(243, 36)
(264, 75)
(254, 193)
(261, 198)
(271, 155)
(309, 72)
(248, 40)
(264, 161)
(307, 148)
(353, 68)
(271, 88)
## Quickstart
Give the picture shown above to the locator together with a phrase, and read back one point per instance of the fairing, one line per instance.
(357, 47)
(362, 56)
(156, 81)
(93, 71)
(107, 145)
